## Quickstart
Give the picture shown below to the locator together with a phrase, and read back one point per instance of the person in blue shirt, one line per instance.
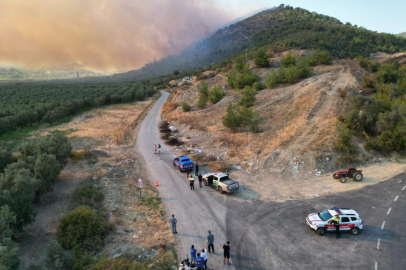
(199, 262)
(192, 254)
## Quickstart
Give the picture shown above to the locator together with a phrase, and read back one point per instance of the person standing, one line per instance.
(159, 148)
(192, 254)
(210, 241)
(204, 256)
(197, 169)
(336, 221)
(199, 262)
(200, 177)
(173, 222)
(192, 182)
(154, 148)
(226, 248)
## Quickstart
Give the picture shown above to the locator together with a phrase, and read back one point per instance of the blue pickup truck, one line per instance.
(183, 163)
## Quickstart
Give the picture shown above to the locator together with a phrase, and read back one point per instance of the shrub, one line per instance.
(84, 227)
(238, 78)
(17, 190)
(319, 57)
(9, 256)
(288, 60)
(88, 195)
(216, 95)
(258, 86)
(249, 119)
(248, 97)
(344, 143)
(392, 128)
(58, 258)
(46, 169)
(260, 58)
(271, 80)
(185, 107)
(5, 156)
(232, 119)
(203, 90)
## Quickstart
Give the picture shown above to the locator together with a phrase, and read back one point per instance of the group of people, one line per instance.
(191, 179)
(157, 148)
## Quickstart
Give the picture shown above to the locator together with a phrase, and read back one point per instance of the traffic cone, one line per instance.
(156, 183)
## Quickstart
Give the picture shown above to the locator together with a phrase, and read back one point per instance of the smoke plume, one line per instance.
(103, 35)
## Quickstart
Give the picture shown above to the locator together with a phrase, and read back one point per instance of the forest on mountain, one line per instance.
(279, 29)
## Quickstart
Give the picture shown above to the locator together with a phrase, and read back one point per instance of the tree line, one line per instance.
(25, 104)
(24, 179)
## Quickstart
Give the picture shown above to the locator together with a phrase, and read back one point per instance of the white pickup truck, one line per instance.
(221, 182)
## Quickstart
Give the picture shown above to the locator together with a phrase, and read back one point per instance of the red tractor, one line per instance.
(351, 172)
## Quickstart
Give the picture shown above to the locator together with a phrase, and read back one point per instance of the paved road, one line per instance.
(270, 235)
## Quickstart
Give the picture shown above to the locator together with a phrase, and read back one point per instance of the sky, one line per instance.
(119, 35)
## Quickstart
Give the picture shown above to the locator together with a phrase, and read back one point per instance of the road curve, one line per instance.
(271, 235)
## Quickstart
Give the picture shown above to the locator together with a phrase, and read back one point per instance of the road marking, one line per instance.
(383, 225)
(403, 188)
(390, 208)
(376, 265)
(396, 198)
(379, 242)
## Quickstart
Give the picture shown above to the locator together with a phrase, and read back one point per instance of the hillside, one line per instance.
(402, 34)
(296, 142)
(280, 29)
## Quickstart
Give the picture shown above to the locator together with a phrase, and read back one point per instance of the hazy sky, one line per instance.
(118, 35)
(378, 15)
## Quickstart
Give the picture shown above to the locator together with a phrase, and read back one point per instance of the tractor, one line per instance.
(351, 172)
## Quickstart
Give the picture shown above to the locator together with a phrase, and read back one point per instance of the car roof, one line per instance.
(221, 174)
(343, 211)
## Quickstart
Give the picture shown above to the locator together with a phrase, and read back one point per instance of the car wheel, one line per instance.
(354, 231)
(174, 165)
(220, 190)
(205, 183)
(343, 179)
(358, 176)
(335, 176)
(321, 231)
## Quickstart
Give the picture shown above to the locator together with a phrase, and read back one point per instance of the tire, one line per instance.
(321, 231)
(335, 176)
(205, 183)
(174, 165)
(220, 190)
(354, 231)
(358, 176)
(343, 179)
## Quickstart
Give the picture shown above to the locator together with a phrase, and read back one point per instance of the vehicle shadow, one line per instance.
(368, 234)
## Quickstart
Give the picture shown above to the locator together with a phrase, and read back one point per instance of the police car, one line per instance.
(349, 220)
(183, 163)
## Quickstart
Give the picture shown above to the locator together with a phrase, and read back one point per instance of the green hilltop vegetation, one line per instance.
(402, 34)
(279, 29)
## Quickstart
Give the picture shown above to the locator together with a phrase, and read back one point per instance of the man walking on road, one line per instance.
(192, 182)
(159, 148)
(192, 254)
(154, 148)
(200, 180)
(197, 169)
(210, 241)
(226, 248)
(173, 221)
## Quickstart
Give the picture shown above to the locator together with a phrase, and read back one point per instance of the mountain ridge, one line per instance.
(279, 29)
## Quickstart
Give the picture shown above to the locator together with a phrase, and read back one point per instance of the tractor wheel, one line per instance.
(335, 176)
(358, 176)
(321, 231)
(343, 179)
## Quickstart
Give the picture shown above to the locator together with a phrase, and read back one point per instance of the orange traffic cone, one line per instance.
(156, 183)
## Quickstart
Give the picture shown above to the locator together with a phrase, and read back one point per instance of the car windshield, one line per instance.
(185, 160)
(325, 215)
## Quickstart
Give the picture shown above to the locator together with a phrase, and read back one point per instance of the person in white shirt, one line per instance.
(204, 256)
